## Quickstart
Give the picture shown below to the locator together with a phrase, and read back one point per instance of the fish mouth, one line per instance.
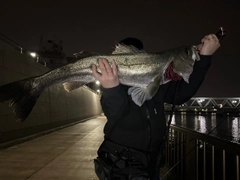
(195, 55)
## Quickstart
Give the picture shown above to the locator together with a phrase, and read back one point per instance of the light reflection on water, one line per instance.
(224, 127)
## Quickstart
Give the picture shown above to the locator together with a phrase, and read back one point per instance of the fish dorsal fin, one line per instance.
(69, 86)
(126, 49)
(84, 54)
(81, 55)
(139, 95)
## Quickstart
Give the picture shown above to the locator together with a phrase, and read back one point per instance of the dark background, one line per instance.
(160, 24)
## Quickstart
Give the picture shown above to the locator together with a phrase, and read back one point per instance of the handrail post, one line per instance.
(213, 164)
(224, 164)
(178, 151)
(237, 167)
(197, 141)
(182, 147)
(204, 160)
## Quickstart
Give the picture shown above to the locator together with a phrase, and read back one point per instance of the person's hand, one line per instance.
(210, 44)
(108, 76)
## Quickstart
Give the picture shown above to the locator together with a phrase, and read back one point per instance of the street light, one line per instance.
(33, 54)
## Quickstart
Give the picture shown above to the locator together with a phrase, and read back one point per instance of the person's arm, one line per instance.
(114, 99)
(185, 90)
(115, 102)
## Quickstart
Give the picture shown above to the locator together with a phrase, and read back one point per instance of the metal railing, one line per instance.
(12, 43)
(22, 50)
(194, 156)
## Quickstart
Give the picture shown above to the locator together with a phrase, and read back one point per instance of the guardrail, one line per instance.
(12, 43)
(192, 155)
(22, 50)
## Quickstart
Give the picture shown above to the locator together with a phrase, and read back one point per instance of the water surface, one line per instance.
(226, 127)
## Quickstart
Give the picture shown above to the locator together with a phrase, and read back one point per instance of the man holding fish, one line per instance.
(134, 133)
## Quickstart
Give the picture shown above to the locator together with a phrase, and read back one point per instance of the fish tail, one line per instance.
(22, 98)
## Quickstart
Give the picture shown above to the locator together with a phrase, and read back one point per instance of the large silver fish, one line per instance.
(143, 71)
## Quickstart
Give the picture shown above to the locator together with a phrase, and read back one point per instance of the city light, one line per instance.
(33, 54)
(200, 100)
(220, 105)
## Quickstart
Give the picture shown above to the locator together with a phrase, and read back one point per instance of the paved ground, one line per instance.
(66, 154)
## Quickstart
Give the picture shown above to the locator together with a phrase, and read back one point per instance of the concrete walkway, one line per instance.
(66, 154)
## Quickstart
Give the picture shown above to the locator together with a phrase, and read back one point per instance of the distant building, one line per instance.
(51, 53)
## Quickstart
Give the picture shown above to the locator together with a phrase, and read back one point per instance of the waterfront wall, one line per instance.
(55, 107)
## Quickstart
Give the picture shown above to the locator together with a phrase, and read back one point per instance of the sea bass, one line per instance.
(142, 71)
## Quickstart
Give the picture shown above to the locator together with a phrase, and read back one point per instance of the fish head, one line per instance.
(183, 61)
(194, 54)
(186, 52)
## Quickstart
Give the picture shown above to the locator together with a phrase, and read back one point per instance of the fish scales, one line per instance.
(129, 66)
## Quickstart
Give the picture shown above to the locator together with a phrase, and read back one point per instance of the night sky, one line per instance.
(160, 24)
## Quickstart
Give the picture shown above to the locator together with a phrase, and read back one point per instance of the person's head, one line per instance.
(132, 42)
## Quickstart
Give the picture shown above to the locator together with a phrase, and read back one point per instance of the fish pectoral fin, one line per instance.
(152, 88)
(69, 86)
(139, 95)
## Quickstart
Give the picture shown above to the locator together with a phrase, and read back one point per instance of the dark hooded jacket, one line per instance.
(143, 127)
